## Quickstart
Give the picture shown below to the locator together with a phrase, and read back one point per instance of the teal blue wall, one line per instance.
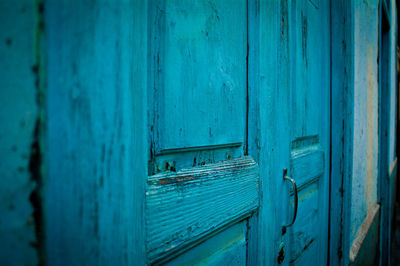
(365, 152)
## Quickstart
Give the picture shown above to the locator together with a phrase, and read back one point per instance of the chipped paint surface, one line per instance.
(19, 113)
(96, 146)
(197, 73)
(183, 207)
(225, 79)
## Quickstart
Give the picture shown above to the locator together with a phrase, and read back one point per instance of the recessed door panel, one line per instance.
(199, 68)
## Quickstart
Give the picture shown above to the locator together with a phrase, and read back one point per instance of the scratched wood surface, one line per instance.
(184, 206)
(309, 123)
(307, 165)
(197, 72)
(96, 132)
(342, 115)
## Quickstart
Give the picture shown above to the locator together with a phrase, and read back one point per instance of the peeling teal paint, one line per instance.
(105, 101)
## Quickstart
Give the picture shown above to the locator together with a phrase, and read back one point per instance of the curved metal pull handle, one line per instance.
(296, 199)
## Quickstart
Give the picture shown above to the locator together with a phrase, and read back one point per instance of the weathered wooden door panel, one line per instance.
(309, 124)
(199, 71)
(201, 186)
(186, 206)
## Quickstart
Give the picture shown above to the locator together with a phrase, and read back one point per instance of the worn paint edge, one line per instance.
(362, 232)
(392, 168)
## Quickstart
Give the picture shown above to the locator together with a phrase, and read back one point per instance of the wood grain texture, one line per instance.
(307, 165)
(184, 206)
(197, 73)
(268, 91)
(306, 242)
(96, 142)
(309, 129)
(342, 121)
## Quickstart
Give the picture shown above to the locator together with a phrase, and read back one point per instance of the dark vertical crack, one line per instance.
(35, 162)
(36, 158)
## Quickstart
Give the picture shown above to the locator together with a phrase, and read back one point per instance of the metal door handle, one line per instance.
(296, 199)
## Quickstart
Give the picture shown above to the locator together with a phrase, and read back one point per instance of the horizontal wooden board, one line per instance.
(186, 206)
(307, 165)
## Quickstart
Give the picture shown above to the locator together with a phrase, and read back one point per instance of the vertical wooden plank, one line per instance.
(341, 129)
(19, 132)
(253, 122)
(268, 122)
(96, 132)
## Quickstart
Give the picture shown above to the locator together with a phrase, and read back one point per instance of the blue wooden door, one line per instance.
(202, 187)
(308, 129)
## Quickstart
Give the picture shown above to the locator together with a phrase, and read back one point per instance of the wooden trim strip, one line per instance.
(362, 232)
(198, 148)
(392, 167)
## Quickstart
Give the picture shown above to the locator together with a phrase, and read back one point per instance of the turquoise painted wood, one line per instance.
(166, 126)
(200, 184)
(308, 106)
(96, 152)
(177, 141)
(291, 80)
(342, 121)
(198, 73)
(185, 206)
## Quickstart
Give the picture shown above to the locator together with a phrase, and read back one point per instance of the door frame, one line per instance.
(342, 121)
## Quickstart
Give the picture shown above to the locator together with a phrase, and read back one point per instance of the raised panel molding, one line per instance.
(185, 207)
